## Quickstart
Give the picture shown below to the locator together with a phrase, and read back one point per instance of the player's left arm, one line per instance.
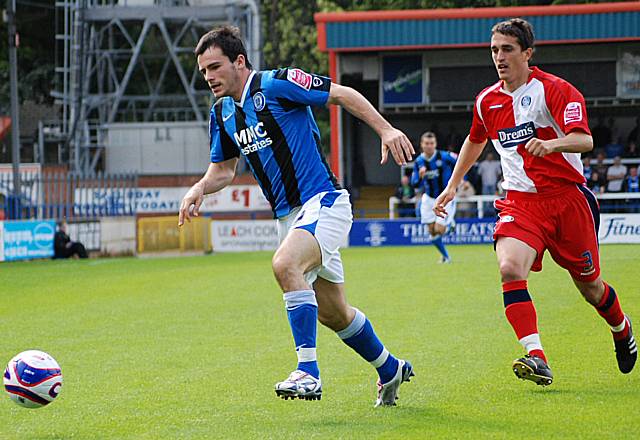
(568, 109)
(574, 142)
(393, 140)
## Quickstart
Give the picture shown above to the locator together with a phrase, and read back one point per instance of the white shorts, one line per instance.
(328, 217)
(428, 216)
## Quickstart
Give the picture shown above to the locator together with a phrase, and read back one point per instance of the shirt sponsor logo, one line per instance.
(259, 101)
(253, 138)
(520, 134)
(300, 78)
(572, 113)
(506, 219)
(431, 174)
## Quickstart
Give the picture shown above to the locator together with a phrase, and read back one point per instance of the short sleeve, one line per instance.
(298, 86)
(222, 147)
(567, 106)
(478, 133)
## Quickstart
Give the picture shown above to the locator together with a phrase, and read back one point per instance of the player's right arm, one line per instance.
(224, 159)
(218, 176)
(469, 154)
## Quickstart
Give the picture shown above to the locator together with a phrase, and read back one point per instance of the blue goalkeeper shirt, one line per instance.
(273, 128)
(439, 169)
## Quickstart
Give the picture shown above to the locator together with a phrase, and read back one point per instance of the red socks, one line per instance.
(609, 308)
(522, 316)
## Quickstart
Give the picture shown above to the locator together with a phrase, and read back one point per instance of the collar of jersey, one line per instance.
(429, 159)
(245, 92)
(534, 73)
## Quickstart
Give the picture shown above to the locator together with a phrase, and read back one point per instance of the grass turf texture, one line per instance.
(183, 348)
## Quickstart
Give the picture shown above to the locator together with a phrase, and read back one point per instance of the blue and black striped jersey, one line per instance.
(439, 169)
(274, 129)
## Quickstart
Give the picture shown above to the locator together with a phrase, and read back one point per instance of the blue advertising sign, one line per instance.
(412, 232)
(403, 80)
(28, 239)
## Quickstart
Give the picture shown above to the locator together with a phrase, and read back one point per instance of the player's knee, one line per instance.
(511, 270)
(284, 269)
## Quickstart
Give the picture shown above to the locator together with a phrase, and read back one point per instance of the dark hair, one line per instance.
(519, 28)
(428, 134)
(227, 38)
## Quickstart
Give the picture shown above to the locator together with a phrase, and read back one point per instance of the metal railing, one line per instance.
(479, 206)
(72, 196)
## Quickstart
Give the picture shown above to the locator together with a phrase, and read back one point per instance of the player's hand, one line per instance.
(445, 197)
(396, 142)
(538, 148)
(422, 171)
(190, 205)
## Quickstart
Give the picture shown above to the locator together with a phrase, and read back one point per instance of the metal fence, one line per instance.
(58, 195)
(482, 206)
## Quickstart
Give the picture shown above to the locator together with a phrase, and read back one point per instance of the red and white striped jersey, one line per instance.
(546, 107)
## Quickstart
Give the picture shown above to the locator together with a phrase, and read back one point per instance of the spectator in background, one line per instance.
(466, 209)
(596, 183)
(634, 134)
(600, 166)
(586, 168)
(405, 193)
(63, 247)
(631, 183)
(489, 171)
(631, 150)
(614, 130)
(601, 134)
(614, 148)
(615, 175)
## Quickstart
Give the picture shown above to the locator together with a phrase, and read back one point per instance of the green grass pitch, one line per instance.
(189, 348)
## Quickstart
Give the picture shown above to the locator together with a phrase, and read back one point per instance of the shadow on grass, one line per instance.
(406, 419)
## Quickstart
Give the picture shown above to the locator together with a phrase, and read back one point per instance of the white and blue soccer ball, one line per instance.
(33, 379)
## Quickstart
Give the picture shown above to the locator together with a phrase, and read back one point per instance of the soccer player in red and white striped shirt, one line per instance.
(538, 124)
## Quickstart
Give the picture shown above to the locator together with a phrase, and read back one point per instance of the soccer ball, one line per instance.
(33, 379)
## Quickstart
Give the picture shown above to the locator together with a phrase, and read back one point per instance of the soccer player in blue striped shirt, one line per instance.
(266, 118)
(431, 172)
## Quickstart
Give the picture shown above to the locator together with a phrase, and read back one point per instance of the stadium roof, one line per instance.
(455, 28)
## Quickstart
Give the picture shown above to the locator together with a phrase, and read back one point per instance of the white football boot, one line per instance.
(300, 385)
(388, 392)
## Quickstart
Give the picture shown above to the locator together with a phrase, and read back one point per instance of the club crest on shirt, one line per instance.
(259, 101)
(525, 101)
(572, 113)
(300, 78)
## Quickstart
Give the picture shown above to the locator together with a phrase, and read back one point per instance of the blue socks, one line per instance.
(437, 242)
(360, 336)
(302, 310)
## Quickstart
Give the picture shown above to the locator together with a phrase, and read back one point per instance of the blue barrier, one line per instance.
(27, 239)
(408, 232)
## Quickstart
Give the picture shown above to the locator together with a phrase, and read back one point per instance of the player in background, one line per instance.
(431, 171)
(538, 124)
(266, 117)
